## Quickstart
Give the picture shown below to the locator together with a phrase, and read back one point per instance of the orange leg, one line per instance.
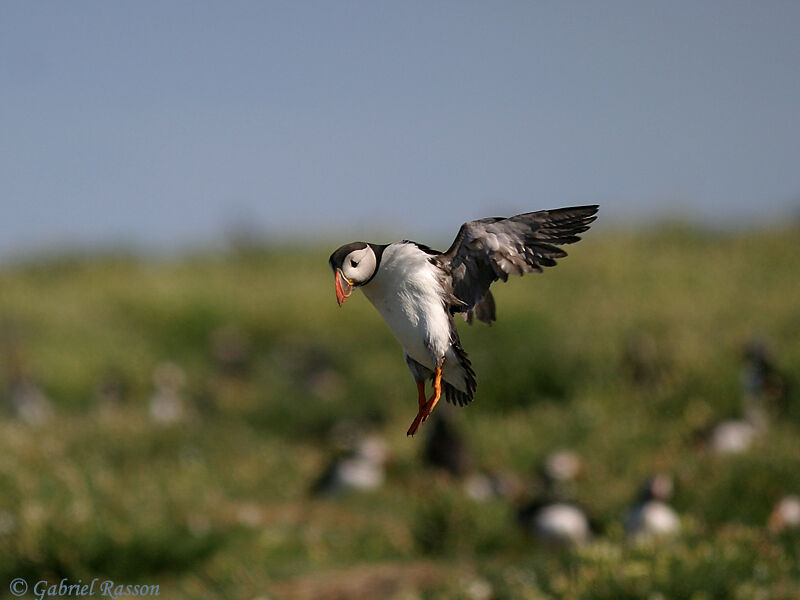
(417, 420)
(421, 390)
(437, 393)
(425, 408)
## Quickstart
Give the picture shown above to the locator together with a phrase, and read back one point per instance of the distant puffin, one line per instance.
(549, 516)
(446, 448)
(362, 468)
(651, 517)
(417, 290)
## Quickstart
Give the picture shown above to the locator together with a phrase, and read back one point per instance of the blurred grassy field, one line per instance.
(216, 505)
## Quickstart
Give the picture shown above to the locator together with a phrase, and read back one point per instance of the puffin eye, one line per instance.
(353, 263)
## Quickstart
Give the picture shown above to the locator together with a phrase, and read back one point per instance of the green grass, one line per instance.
(217, 506)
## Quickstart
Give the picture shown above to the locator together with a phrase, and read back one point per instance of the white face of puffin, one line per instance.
(357, 267)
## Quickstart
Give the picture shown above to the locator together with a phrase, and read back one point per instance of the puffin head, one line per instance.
(353, 265)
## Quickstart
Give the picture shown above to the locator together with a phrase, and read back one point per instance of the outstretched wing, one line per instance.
(490, 249)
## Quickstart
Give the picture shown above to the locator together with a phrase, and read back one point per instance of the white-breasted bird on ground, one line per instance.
(651, 517)
(362, 468)
(167, 403)
(417, 290)
(548, 514)
(785, 515)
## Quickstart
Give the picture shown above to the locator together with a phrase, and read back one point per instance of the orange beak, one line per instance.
(344, 287)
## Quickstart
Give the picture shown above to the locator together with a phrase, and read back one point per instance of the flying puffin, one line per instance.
(417, 290)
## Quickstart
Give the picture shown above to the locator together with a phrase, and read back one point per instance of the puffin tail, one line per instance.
(452, 394)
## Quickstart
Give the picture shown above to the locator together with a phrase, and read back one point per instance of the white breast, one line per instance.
(561, 523)
(407, 293)
(652, 519)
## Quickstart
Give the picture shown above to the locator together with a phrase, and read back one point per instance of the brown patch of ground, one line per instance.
(367, 582)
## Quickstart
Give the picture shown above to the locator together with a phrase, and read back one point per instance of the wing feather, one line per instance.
(490, 249)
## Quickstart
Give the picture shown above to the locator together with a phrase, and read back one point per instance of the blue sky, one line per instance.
(162, 124)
